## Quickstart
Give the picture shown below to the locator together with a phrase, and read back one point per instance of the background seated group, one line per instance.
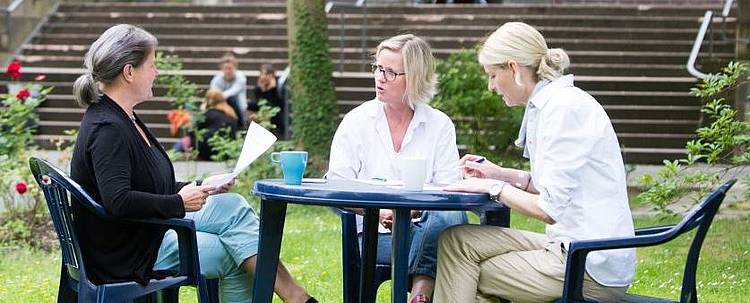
(226, 108)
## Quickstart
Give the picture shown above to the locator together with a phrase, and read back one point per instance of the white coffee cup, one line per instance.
(413, 173)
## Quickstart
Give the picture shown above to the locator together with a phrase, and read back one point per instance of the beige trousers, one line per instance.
(480, 263)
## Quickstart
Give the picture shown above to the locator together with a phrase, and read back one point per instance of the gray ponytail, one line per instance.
(118, 46)
(85, 90)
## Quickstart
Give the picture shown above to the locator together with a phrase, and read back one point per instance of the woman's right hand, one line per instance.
(473, 169)
(194, 196)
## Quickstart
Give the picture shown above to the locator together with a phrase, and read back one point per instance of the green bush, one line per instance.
(484, 124)
(22, 213)
(314, 108)
(228, 150)
(723, 144)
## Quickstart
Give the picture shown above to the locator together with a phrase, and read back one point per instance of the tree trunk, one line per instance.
(314, 109)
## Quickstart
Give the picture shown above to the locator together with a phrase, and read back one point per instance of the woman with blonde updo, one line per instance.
(576, 186)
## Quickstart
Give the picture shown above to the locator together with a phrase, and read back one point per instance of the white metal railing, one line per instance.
(705, 26)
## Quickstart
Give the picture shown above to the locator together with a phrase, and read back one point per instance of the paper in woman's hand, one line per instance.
(257, 141)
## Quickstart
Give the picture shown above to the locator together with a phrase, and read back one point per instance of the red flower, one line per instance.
(21, 187)
(23, 94)
(40, 78)
(14, 69)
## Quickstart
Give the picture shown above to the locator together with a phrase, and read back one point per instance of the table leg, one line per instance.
(367, 289)
(400, 255)
(272, 215)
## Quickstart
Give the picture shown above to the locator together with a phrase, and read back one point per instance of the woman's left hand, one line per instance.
(472, 185)
(224, 188)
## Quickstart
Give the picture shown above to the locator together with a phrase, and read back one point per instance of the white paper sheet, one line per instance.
(257, 141)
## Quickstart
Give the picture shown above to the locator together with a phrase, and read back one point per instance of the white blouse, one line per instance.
(578, 169)
(362, 147)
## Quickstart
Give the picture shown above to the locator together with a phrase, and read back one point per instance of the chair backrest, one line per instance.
(701, 216)
(56, 185)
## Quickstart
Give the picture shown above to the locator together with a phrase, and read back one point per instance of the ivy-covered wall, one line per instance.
(314, 108)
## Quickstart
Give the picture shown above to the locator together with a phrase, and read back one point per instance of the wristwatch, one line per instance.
(496, 189)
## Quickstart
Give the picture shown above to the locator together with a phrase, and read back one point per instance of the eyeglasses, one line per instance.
(389, 75)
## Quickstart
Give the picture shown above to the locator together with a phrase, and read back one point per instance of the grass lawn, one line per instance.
(312, 250)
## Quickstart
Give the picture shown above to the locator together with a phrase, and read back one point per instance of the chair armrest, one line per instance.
(578, 250)
(171, 222)
(652, 230)
(187, 243)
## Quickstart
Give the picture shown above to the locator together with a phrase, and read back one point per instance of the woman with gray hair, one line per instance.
(399, 124)
(119, 162)
(576, 186)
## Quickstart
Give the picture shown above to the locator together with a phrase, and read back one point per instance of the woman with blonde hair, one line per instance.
(397, 124)
(576, 186)
(218, 116)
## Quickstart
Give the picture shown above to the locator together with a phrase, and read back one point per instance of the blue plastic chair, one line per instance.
(699, 217)
(351, 256)
(351, 259)
(74, 283)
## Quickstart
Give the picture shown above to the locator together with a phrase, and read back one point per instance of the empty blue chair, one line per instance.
(75, 285)
(351, 260)
(699, 217)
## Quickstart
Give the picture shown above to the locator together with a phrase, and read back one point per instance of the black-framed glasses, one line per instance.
(389, 75)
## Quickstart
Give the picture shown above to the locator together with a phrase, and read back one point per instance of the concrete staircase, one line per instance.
(631, 58)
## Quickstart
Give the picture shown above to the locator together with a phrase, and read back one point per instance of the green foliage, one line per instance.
(314, 101)
(183, 95)
(228, 150)
(484, 125)
(181, 92)
(21, 213)
(722, 144)
(265, 113)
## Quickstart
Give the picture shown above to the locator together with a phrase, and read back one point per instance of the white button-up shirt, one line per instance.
(362, 147)
(577, 167)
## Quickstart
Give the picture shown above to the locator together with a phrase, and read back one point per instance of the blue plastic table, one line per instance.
(275, 195)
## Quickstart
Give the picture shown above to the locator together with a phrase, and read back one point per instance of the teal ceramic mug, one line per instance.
(293, 165)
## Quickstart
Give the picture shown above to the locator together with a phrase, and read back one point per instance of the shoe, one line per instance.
(312, 300)
(420, 298)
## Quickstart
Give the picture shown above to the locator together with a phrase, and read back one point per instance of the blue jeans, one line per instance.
(227, 234)
(424, 241)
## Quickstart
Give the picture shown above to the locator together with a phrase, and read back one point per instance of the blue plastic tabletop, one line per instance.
(344, 193)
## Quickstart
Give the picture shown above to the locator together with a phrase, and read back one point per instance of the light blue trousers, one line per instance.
(227, 234)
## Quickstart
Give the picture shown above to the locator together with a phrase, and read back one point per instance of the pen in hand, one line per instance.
(478, 160)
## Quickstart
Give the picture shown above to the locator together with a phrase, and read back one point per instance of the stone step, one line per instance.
(426, 30)
(671, 126)
(651, 155)
(356, 80)
(145, 18)
(373, 41)
(650, 140)
(351, 65)
(579, 57)
(376, 8)
(616, 111)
